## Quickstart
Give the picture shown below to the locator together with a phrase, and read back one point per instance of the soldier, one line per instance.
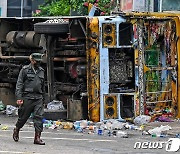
(30, 93)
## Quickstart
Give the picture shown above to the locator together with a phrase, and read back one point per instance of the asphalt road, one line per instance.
(61, 141)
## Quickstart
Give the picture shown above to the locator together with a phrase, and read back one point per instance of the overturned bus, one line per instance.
(106, 67)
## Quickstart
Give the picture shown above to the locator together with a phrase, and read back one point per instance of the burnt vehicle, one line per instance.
(106, 67)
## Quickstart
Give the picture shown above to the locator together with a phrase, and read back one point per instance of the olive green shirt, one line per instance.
(30, 83)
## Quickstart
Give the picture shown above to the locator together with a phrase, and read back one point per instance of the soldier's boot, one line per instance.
(16, 134)
(37, 139)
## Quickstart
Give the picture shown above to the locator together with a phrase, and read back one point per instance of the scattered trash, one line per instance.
(145, 133)
(11, 110)
(117, 125)
(154, 135)
(142, 119)
(55, 105)
(100, 132)
(121, 134)
(159, 135)
(84, 124)
(80, 130)
(109, 127)
(92, 127)
(163, 135)
(177, 135)
(47, 123)
(2, 106)
(131, 126)
(58, 123)
(67, 125)
(77, 125)
(159, 130)
(107, 133)
(164, 119)
(4, 127)
(53, 127)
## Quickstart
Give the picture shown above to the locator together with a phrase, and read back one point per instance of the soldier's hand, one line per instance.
(19, 102)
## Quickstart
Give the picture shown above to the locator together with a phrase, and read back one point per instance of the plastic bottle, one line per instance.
(153, 135)
(100, 132)
(163, 135)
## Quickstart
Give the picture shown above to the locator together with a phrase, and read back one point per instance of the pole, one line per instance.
(160, 7)
(141, 65)
(50, 67)
(22, 4)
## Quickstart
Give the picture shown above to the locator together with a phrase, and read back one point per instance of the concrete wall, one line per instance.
(3, 8)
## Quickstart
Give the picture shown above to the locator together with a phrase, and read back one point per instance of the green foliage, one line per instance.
(106, 5)
(66, 7)
(77, 6)
(55, 8)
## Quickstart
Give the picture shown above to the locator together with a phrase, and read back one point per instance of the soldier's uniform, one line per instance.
(30, 89)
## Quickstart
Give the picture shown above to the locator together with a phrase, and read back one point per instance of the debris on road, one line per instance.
(4, 127)
(142, 119)
(111, 127)
(11, 110)
(159, 130)
(2, 106)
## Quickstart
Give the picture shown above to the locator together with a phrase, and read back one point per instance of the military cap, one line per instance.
(37, 56)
